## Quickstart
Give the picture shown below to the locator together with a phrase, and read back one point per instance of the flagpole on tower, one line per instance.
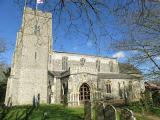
(25, 4)
(39, 2)
(36, 5)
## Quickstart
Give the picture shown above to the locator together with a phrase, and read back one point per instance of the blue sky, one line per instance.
(10, 22)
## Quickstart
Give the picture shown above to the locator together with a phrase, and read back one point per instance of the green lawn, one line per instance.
(54, 112)
(59, 112)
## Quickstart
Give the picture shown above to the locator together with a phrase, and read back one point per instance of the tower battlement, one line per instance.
(38, 12)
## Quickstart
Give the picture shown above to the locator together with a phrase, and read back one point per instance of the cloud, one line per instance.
(119, 55)
(89, 44)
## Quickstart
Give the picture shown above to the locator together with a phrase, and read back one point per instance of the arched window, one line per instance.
(84, 92)
(111, 66)
(98, 64)
(108, 88)
(64, 63)
(120, 90)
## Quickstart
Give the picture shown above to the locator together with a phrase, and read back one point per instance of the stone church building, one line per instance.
(58, 77)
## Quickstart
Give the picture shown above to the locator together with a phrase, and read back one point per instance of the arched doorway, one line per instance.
(84, 92)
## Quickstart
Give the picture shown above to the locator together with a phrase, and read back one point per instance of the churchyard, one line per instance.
(99, 111)
(119, 40)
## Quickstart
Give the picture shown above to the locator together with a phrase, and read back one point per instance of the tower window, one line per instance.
(36, 29)
(64, 63)
(108, 88)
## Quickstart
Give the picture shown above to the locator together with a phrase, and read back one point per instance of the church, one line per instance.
(58, 77)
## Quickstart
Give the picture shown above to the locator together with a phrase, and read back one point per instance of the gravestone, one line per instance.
(87, 110)
(99, 109)
(127, 114)
(0, 115)
(110, 113)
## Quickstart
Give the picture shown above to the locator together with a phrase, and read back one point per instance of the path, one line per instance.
(148, 116)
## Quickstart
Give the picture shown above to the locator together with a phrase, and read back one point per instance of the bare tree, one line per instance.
(93, 15)
(142, 38)
(139, 19)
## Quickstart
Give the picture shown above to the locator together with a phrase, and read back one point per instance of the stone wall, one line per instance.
(74, 83)
(119, 86)
(89, 64)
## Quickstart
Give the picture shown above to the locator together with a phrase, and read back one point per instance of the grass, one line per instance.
(52, 112)
(59, 112)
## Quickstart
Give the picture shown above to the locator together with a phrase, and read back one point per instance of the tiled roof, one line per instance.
(128, 69)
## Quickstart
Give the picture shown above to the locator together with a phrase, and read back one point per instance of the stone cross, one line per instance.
(99, 111)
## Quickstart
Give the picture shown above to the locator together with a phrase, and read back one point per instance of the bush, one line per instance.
(155, 110)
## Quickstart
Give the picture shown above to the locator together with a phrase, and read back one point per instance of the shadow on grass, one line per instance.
(45, 112)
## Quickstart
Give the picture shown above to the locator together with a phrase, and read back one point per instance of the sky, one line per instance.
(10, 22)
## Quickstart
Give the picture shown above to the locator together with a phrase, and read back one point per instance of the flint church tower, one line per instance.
(29, 70)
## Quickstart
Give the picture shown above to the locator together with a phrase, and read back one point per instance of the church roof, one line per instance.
(117, 76)
(59, 74)
(83, 54)
(127, 68)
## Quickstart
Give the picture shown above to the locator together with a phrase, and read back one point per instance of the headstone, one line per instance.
(34, 101)
(99, 109)
(127, 114)
(110, 113)
(87, 110)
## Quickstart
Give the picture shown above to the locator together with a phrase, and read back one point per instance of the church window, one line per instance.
(108, 88)
(64, 63)
(82, 61)
(120, 90)
(84, 92)
(98, 65)
(111, 66)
